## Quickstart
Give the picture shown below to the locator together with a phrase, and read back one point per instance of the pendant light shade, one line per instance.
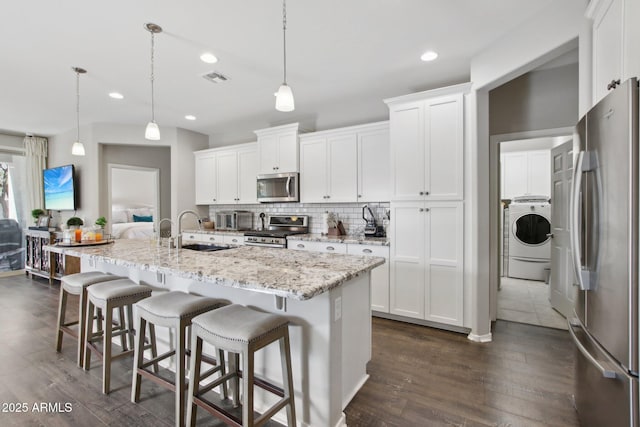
(284, 96)
(152, 132)
(77, 149)
(284, 99)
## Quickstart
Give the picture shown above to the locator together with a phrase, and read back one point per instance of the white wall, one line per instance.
(90, 168)
(548, 35)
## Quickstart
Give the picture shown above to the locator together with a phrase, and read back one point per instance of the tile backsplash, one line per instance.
(349, 213)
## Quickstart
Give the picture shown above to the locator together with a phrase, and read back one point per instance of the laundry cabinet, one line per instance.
(427, 142)
(427, 261)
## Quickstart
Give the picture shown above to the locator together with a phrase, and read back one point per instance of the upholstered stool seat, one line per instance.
(107, 296)
(240, 331)
(173, 310)
(76, 284)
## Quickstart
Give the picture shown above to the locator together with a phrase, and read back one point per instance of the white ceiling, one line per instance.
(344, 57)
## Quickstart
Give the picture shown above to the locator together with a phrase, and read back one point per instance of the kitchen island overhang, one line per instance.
(326, 298)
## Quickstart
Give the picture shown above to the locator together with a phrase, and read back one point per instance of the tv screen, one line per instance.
(59, 188)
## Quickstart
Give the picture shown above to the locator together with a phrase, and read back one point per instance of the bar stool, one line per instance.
(107, 296)
(76, 284)
(241, 331)
(172, 310)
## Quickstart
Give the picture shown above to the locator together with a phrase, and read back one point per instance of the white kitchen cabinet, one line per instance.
(607, 45)
(526, 172)
(349, 164)
(278, 149)
(326, 247)
(427, 143)
(233, 239)
(227, 175)
(236, 170)
(328, 165)
(379, 275)
(426, 262)
(205, 173)
(195, 237)
(374, 177)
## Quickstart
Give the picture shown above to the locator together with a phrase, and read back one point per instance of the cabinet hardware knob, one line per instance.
(426, 209)
(613, 84)
(328, 197)
(367, 251)
(359, 195)
(234, 240)
(300, 245)
(212, 239)
(422, 193)
(426, 193)
(331, 248)
(421, 210)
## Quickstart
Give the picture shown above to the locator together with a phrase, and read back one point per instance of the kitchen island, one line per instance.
(325, 297)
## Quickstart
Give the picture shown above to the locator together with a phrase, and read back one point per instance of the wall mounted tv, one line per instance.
(60, 188)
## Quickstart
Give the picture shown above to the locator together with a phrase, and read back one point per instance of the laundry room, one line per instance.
(531, 128)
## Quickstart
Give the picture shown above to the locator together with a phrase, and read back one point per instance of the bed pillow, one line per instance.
(119, 216)
(140, 218)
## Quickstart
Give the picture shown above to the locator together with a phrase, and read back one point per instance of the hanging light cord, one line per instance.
(78, 104)
(284, 37)
(153, 112)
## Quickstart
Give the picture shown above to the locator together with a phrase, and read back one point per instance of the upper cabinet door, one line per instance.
(205, 172)
(444, 143)
(313, 167)
(247, 172)
(407, 151)
(374, 177)
(287, 153)
(608, 42)
(268, 148)
(342, 168)
(227, 174)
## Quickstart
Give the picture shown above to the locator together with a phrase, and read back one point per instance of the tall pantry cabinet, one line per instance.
(427, 205)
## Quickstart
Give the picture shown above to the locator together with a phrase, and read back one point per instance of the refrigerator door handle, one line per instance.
(582, 275)
(606, 373)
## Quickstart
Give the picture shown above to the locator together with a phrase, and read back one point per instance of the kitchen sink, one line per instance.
(201, 247)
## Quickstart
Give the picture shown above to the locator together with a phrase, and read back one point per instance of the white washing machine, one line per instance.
(529, 237)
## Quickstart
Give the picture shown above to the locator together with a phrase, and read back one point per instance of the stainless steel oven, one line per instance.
(278, 187)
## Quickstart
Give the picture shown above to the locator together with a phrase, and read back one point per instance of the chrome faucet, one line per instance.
(162, 221)
(179, 237)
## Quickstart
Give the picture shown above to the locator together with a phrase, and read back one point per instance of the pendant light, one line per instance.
(77, 149)
(284, 97)
(152, 131)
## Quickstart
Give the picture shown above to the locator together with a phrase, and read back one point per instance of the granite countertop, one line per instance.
(299, 275)
(351, 239)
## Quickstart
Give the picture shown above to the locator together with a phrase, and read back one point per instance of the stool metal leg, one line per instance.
(154, 348)
(129, 325)
(122, 326)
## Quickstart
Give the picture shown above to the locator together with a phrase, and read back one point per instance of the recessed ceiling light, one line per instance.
(116, 95)
(209, 58)
(190, 117)
(429, 56)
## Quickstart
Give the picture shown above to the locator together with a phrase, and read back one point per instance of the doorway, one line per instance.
(523, 291)
(13, 210)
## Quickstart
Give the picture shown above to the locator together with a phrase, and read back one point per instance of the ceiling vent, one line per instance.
(215, 77)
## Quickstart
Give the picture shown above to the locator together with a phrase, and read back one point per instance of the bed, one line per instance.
(132, 223)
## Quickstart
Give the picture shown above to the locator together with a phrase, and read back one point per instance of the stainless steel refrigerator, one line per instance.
(604, 242)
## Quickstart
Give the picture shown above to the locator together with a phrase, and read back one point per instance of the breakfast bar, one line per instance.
(326, 298)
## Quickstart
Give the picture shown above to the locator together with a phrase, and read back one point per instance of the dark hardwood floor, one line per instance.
(419, 376)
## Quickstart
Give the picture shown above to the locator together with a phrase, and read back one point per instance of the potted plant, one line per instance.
(74, 221)
(36, 214)
(100, 222)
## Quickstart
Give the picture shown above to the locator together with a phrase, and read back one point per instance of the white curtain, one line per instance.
(36, 159)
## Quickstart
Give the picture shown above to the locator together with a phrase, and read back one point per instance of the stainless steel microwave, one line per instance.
(278, 187)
